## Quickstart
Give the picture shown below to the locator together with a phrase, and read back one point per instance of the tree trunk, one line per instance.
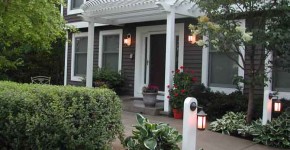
(250, 103)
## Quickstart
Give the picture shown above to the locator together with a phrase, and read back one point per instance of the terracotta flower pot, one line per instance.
(177, 113)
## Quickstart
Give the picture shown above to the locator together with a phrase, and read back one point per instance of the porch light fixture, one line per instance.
(277, 103)
(201, 117)
(192, 38)
(128, 40)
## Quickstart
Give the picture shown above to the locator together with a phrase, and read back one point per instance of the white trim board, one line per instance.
(83, 24)
(141, 32)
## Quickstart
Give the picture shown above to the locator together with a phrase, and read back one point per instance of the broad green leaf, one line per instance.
(150, 143)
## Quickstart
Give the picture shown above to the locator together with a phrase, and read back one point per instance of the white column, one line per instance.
(267, 104)
(189, 125)
(65, 60)
(170, 55)
(90, 55)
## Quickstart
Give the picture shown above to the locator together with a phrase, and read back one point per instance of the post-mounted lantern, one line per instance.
(192, 39)
(277, 106)
(276, 102)
(201, 120)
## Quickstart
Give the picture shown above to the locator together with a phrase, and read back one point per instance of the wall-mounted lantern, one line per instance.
(128, 40)
(192, 38)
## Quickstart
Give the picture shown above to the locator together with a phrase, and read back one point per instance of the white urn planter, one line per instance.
(149, 99)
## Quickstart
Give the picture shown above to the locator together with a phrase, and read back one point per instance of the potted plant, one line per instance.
(149, 95)
(152, 136)
(183, 83)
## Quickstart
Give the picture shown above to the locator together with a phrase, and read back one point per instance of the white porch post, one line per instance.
(170, 55)
(90, 54)
(267, 104)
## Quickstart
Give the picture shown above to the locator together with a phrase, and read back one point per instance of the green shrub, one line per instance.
(229, 123)
(275, 133)
(112, 79)
(55, 117)
(216, 104)
(152, 136)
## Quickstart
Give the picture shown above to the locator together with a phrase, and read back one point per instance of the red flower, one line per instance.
(168, 86)
(177, 71)
(194, 79)
(176, 94)
(181, 67)
(168, 97)
(192, 71)
(182, 91)
(175, 85)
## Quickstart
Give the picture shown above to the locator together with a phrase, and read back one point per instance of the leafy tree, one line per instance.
(27, 25)
(268, 31)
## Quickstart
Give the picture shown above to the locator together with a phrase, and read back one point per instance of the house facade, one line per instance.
(158, 34)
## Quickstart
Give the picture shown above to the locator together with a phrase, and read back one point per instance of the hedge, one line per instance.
(57, 117)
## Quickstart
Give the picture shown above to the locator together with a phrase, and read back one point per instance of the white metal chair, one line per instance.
(40, 80)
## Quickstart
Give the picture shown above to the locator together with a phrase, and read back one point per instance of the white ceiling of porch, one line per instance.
(117, 12)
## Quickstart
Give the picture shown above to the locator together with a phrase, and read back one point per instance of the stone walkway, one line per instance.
(205, 139)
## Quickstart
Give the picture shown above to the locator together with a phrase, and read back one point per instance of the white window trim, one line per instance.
(74, 35)
(111, 32)
(74, 11)
(205, 67)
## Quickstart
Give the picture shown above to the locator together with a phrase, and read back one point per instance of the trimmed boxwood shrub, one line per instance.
(57, 117)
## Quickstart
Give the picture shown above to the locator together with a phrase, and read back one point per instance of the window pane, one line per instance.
(110, 61)
(222, 69)
(111, 43)
(80, 64)
(81, 44)
(75, 4)
(111, 52)
(282, 80)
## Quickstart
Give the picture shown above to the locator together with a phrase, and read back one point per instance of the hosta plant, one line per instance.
(152, 136)
(229, 123)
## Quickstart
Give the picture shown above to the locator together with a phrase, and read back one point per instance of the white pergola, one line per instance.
(118, 12)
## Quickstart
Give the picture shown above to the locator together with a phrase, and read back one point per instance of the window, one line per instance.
(79, 56)
(281, 80)
(222, 69)
(74, 6)
(110, 49)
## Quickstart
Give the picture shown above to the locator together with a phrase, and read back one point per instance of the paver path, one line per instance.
(205, 139)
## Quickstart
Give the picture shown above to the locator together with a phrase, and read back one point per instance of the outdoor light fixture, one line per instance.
(192, 38)
(277, 103)
(201, 120)
(127, 40)
(201, 117)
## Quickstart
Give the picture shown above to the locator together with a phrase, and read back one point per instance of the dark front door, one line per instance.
(157, 60)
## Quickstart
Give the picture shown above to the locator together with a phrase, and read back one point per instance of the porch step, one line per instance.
(136, 105)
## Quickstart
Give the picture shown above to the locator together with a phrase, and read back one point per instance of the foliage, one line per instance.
(150, 89)
(226, 35)
(112, 79)
(153, 136)
(39, 62)
(183, 82)
(54, 117)
(229, 123)
(216, 104)
(275, 133)
(33, 23)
